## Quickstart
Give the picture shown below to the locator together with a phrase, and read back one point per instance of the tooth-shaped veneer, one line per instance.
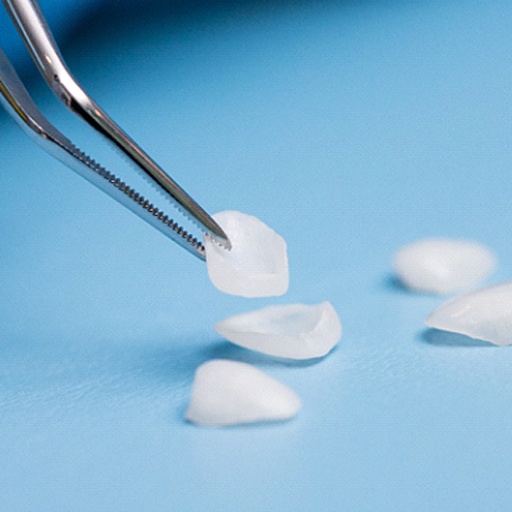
(256, 265)
(443, 265)
(485, 314)
(230, 392)
(295, 331)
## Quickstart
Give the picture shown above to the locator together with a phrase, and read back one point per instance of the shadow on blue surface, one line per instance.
(182, 361)
(138, 11)
(72, 21)
(135, 16)
(393, 284)
(450, 339)
(226, 350)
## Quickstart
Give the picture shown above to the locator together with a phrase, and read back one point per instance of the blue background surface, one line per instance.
(351, 128)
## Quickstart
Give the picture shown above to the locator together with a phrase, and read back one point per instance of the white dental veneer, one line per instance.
(295, 331)
(485, 314)
(230, 393)
(257, 264)
(442, 265)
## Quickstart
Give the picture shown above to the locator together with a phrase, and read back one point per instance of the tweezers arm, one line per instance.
(34, 30)
(15, 98)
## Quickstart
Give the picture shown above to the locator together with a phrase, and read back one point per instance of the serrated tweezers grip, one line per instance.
(33, 28)
(19, 104)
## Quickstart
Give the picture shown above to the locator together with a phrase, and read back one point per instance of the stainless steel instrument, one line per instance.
(38, 38)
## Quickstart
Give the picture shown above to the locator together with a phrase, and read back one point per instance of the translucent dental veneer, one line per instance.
(257, 264)
(443, 266)
(485, 314)
(230, 393)
(295, 331)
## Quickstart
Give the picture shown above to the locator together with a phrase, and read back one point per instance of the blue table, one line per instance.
(352, 128)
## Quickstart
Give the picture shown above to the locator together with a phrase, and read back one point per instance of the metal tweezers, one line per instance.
(34, 30)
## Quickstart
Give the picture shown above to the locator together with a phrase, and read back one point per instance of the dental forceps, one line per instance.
(34, 30)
